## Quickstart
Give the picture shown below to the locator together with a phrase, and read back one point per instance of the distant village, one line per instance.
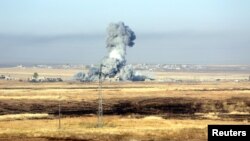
(34, 78)
(139, 67)
(153, 67)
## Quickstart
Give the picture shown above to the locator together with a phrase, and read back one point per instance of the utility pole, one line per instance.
(100, 98)
(59, 112)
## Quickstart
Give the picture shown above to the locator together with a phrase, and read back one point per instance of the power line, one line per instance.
(100, 100)
(59, 112)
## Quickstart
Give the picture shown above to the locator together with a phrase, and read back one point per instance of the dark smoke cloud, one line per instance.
(113, 65)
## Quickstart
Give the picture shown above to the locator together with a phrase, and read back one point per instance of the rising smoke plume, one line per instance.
(114, 65)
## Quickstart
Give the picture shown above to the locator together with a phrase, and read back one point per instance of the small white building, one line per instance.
(38, 79)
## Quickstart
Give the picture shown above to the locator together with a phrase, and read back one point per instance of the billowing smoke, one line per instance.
(113, 65)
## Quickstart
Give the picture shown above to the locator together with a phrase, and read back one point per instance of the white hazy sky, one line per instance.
(168, 31)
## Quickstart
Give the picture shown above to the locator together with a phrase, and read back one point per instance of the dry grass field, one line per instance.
(202, 76)
(24, 73)
(133, 111)
(116, 128)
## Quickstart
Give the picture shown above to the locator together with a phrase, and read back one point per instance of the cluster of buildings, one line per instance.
(63, 66)
(169, 67)
(44, 79)
(4, 77)
(147, 68)
(192, 67)
(34, 79)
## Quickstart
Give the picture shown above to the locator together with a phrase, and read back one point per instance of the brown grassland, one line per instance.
(133, 111)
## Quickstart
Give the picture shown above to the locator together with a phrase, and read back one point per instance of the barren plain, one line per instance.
(133, 111)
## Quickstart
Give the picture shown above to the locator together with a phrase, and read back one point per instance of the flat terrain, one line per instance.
(132, 110)
(25, 73)
(116, 128)
(66, 74)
